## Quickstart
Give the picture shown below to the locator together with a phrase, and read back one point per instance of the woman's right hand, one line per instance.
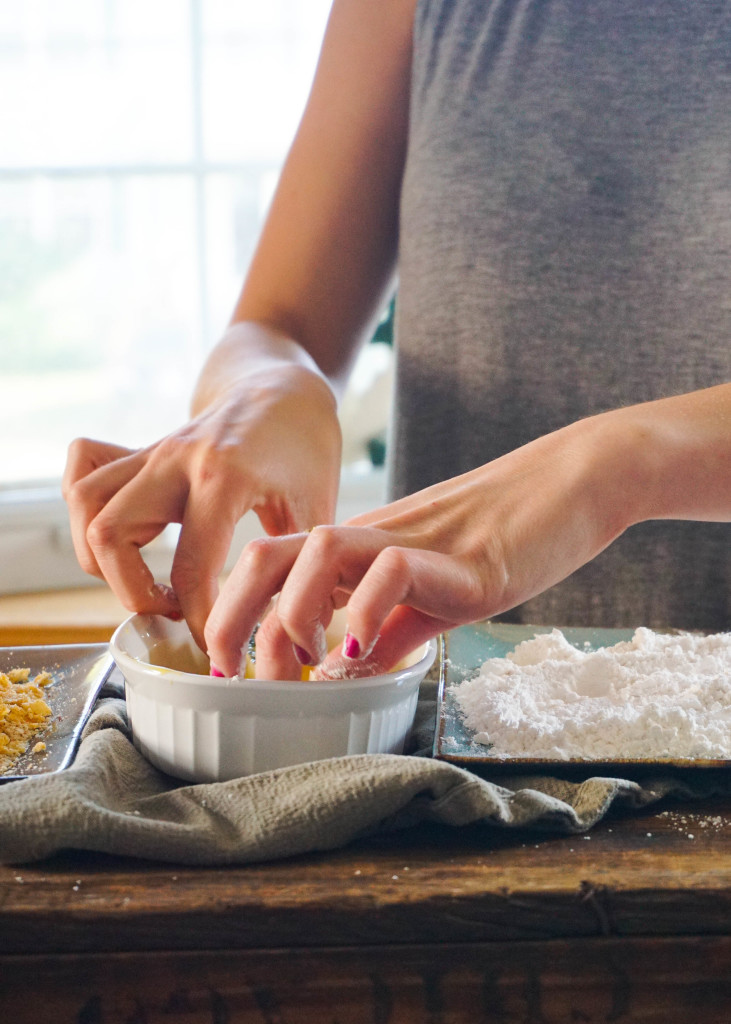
(267, 439)
(265, 434)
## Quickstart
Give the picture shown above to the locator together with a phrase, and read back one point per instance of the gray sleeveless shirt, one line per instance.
(565, 244)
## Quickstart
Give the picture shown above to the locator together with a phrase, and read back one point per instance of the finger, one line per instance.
(331, 563)
(94, 473)
(403, 632)
(275, 654)
(208, 526)
(86, 455)
(134, 516)
(278, 658)
(437, 586)
(293, 516)
(258, 575)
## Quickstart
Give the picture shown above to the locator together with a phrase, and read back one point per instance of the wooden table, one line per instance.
(629, 922)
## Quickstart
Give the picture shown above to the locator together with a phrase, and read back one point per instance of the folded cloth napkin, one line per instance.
(112, 800)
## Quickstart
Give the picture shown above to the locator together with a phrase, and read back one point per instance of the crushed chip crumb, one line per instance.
(23, 711)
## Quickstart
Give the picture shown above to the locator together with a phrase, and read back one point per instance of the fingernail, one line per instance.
(301, 655)
(217, 672)
(351, 647)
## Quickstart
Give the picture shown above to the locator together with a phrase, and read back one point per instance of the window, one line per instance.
(140, 147)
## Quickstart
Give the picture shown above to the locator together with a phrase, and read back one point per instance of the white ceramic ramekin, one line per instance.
(207, 729)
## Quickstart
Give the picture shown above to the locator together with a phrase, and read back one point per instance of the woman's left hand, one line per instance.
(476, 545)
(459, 551)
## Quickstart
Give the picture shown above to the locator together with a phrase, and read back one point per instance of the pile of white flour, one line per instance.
(653, 696)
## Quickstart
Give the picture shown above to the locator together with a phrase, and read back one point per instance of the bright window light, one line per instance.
(139, 149)
(140, 146)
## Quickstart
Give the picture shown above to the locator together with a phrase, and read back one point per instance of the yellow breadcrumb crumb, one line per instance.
(23, 711)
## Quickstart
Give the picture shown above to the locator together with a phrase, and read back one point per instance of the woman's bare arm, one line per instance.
(324, 265)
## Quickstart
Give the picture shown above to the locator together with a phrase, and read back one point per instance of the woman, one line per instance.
(550, 182)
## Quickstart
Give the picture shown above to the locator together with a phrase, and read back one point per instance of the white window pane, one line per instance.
(236, 205)
(258, 62)
(99, 314)
(88, 82)
(113, 283)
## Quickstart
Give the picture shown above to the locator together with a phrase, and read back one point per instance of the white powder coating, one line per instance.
(654, 696)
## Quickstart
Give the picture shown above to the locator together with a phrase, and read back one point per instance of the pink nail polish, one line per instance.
(217, 672)
(351, 647)
(302, 656)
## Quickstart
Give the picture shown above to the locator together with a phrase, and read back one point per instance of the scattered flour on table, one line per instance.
(654, 696)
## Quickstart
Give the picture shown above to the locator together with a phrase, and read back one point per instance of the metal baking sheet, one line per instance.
(464, 650)
(79, 671)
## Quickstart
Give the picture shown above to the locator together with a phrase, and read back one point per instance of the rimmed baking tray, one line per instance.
(79, 671)
(464, 650)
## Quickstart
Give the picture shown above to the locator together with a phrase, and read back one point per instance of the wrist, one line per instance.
(679, 452)
(655, 464)
(620, 469)
(250, 353)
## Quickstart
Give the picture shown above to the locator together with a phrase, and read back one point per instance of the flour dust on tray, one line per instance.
(654, 696)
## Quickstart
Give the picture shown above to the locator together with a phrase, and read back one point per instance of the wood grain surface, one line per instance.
(663, 873)
(83, 615)
(629, 922)
(657, 982)
(432, 925)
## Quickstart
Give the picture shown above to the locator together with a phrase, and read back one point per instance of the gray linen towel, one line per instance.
(112, 800)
